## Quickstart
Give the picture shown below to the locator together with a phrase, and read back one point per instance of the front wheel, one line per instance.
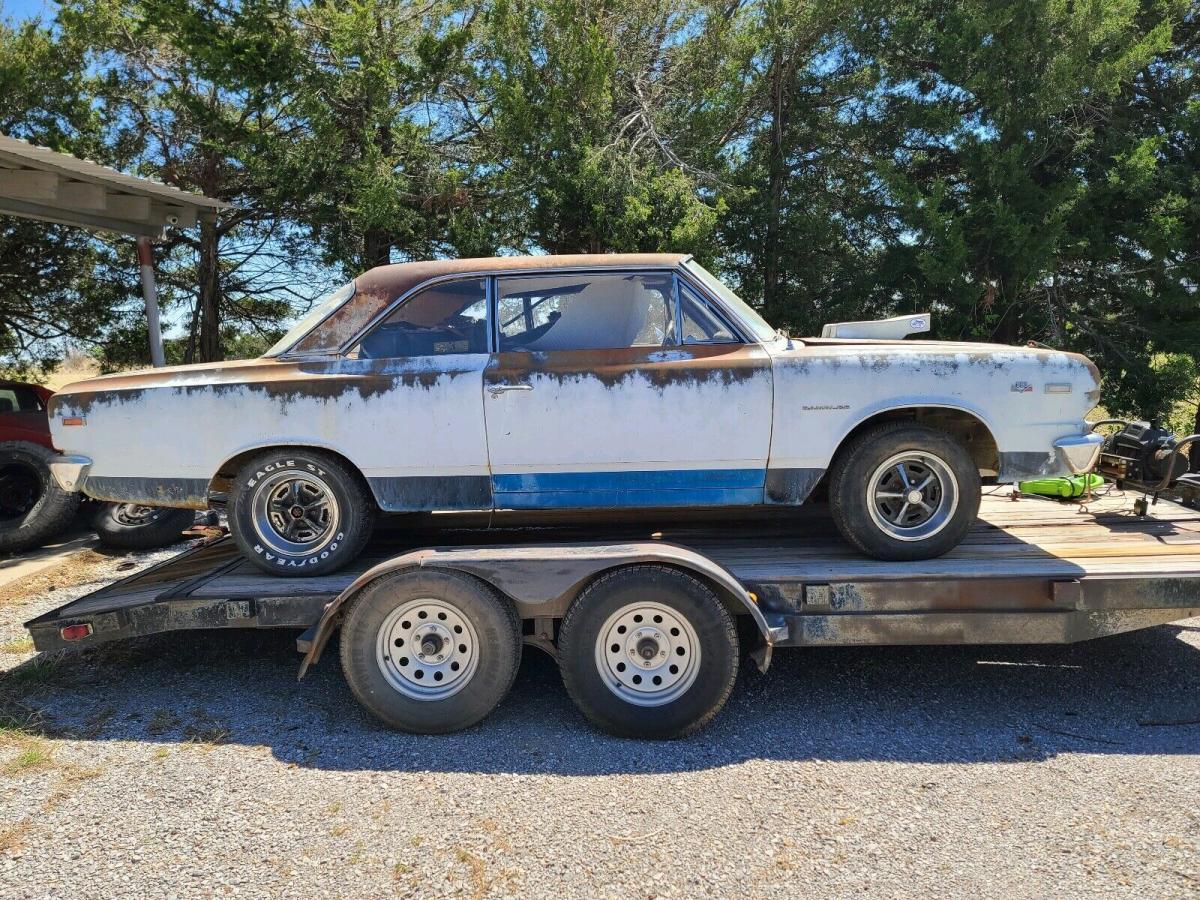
(300, 512)
(904, 491)
(648, 651)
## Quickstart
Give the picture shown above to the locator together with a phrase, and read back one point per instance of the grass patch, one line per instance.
(205, 730)
(36, 756)
(37, 671)
(18, 647)
(162, 721)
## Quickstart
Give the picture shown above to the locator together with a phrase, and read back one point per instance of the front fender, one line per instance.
(543, 579)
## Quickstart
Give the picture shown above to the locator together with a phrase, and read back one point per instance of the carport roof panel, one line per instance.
(39, 183)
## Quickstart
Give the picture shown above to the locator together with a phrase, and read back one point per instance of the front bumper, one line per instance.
(70, 471)
(1079, 452)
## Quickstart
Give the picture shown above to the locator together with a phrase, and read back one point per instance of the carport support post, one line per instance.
(150, 295)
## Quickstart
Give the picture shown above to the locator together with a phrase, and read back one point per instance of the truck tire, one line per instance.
(902, 491)
(648, 651)
(33, 508)
(430, 651)
(130, 526)
(300, 512)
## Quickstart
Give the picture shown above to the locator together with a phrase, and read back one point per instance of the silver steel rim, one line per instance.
(427, 650)
(912, 495)
(648, 654)
(133, 514)
(295, 512)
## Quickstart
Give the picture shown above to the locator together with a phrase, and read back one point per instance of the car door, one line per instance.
(599, 396)
(414, 424)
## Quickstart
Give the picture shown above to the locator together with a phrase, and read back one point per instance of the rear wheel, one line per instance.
(903, 491)
(430, 651)
(648, 651)
(300, 512)
(130, 526)
(33, 508)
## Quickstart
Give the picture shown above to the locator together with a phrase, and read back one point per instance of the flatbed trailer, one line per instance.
(1031, 571)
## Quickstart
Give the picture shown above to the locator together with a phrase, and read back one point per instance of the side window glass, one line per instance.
(585, 312)
(700, 325)
(445, 318)
(19, 399)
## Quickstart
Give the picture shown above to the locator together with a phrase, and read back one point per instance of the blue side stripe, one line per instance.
(673, 487)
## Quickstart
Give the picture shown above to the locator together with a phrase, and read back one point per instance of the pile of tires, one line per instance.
(33, 508)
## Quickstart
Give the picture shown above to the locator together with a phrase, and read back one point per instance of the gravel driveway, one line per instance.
(199, 766)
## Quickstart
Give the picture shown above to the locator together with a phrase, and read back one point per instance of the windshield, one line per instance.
(744, 311)
(319, 312)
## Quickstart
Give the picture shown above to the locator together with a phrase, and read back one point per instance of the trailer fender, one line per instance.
(543, 579)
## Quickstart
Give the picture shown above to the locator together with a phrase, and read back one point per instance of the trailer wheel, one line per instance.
(904, 491)
(33, 508)
(648, 651)
(130, 526)
(430, 651)
(300, 512)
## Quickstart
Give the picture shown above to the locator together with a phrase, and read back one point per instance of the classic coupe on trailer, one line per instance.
(572, 383)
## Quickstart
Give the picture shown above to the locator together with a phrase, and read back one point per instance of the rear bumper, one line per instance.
(1079, 452)
(70, 471)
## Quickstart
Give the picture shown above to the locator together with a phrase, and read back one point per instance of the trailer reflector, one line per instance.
(76, 632)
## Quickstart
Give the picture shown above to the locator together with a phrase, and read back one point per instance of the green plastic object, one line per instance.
(1073, 486)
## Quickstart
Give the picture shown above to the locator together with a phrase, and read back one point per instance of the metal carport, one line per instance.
(38, 183)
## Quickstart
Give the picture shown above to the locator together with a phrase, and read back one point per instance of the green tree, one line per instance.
(195, 94)
(57, 284)
(573, 117)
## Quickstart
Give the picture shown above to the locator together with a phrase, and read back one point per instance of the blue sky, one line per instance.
(26, 9)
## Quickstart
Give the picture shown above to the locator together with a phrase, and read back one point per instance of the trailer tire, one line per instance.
(33, 508)
(648, 651)
(130, 526)
(461, 646)
(339, 526)
(872, 482)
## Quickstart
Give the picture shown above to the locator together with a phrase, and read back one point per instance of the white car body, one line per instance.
(755, 421)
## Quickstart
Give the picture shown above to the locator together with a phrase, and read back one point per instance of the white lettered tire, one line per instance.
(300, 512)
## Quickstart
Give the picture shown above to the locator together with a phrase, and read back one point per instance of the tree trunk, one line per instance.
(1194, 450)
(209, 304)
(776, 178)
(377, 248)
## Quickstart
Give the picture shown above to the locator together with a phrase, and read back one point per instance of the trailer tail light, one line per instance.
(76, 632)
(74, 420)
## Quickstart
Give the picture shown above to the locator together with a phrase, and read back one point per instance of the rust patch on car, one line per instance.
(725, 364)
(281, 382)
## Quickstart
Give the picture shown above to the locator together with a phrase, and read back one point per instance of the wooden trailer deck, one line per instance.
(1031, 570)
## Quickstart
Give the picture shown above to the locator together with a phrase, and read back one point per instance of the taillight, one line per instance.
(76, 632)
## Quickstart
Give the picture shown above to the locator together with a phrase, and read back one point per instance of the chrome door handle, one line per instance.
(497, 389)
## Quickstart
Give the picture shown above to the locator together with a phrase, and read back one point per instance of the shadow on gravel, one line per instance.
(1132, 694)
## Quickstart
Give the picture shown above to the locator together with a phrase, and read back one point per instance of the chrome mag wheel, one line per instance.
(912, 496)
(294, 512)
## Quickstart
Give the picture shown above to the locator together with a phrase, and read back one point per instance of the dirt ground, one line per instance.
(199, 766)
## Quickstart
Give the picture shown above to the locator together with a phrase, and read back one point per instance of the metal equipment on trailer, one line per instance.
(641, 621)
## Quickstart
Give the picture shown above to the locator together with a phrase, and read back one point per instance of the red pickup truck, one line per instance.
(34, 509)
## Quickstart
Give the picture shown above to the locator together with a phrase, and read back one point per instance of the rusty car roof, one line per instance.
(376, 289)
